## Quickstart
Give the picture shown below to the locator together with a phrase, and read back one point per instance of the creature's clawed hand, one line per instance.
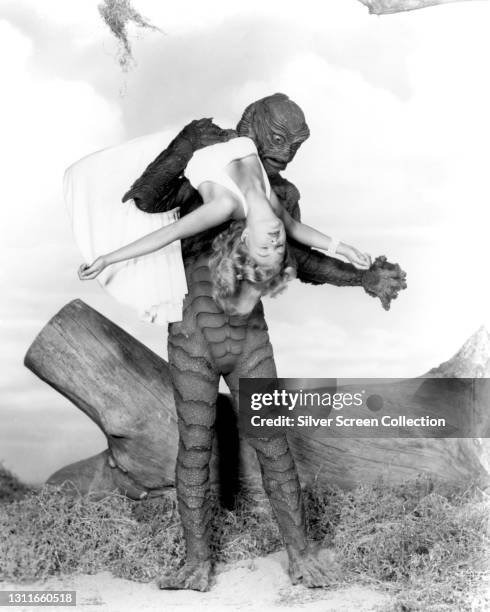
(194, 575)
(313, 568)
(384, 280)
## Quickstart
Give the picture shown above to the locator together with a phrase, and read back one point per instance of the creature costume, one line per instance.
(209, 344)
(155, 283)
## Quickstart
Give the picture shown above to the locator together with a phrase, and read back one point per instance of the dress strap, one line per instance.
(267, 184)
(225, 180)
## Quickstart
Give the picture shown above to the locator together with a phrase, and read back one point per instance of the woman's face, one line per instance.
(265, 239)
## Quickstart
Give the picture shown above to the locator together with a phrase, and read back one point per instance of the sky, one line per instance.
(396, 164)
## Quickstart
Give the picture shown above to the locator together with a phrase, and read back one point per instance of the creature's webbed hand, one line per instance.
(384, 280)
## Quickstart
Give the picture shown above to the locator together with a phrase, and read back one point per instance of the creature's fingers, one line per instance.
(394, 291)
(385, 302)
(398, 284)
(399, 273)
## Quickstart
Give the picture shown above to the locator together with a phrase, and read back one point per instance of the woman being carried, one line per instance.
(234, 186)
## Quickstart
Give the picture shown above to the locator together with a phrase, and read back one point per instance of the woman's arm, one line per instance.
(206, 216)
(309, 236)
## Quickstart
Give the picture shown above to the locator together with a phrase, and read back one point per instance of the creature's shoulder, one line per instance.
(288, 193)
(162, 185)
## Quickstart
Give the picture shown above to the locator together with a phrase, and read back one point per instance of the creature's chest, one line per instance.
(223, 337)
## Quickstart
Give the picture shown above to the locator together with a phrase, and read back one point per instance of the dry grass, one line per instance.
(430, 544)
(426, 544)
(49, 532)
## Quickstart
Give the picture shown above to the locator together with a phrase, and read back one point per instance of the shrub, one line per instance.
(10, 486)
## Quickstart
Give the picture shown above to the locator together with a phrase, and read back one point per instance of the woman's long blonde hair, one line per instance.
(230, 264)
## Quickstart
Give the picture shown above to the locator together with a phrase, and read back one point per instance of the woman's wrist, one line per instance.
(342, 249)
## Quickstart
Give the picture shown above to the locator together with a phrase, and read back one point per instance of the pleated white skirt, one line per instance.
(153, 284)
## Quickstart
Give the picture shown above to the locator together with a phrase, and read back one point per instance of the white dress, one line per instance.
(209, 164)
(155, 283)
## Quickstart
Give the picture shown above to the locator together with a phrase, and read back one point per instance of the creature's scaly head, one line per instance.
(278, 127)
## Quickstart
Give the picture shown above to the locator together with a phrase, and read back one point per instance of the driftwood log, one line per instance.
(346, 460)
(387, 7)
(126, 390)
(122, 386)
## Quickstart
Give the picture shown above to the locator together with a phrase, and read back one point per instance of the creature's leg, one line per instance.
(279, 475)
(195, 384)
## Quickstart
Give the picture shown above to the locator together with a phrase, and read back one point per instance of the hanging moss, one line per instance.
(118, 14)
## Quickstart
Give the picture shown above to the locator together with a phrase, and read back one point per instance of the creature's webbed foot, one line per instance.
(313, 568)
(384, 280)
(194, 575)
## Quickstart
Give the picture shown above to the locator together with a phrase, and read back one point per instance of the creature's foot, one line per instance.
(313, 568)
(195, 575)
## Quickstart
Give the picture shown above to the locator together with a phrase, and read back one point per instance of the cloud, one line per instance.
(46, 124)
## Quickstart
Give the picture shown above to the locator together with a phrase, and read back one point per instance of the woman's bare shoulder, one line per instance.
(219, 199)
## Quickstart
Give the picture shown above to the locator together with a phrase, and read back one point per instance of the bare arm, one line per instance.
(311, 237)
(384, 279)
(206, 216)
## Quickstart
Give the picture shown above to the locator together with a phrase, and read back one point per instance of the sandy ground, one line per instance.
(252, 586)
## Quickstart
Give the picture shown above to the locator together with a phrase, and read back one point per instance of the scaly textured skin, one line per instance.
(205, 345)
(161, 186)
(208, 344)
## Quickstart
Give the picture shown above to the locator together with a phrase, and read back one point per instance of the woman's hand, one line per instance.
(359, 260)
(88, 272)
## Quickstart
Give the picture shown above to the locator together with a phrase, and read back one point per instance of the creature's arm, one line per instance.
(162, 187)
(206, 216)
(383, 279)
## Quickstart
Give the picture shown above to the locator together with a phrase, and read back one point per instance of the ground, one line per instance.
(257, 585)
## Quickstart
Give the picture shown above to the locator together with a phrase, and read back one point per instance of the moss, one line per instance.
(118, 14)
